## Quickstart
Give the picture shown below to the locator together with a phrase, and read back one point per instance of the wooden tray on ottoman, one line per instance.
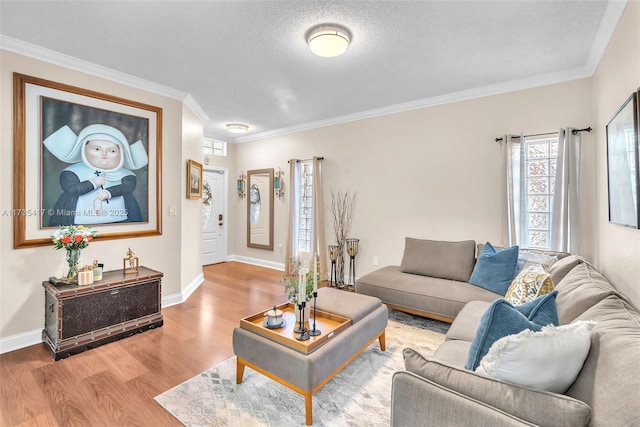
(330, 325)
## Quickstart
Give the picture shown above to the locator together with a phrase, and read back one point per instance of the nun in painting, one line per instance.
(98, 185)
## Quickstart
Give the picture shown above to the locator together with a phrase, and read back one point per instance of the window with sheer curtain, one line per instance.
(305, 233)
(542, 186)
(305, 207)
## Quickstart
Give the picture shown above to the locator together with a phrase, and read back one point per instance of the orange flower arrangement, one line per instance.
(73, 237)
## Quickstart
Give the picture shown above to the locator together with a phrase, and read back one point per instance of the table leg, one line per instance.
(308, 408)
(239, 370)
(382, 341)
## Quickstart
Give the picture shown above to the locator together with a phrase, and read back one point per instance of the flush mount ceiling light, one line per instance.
(237, 127)
(328, 40)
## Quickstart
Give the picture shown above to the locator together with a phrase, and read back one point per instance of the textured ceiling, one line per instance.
(247, 61)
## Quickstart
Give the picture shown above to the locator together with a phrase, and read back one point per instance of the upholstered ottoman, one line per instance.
(307, 373)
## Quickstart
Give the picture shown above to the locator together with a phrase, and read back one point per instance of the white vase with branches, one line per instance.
(342, 207)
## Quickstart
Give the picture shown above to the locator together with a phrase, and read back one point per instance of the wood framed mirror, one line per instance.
(260, 209)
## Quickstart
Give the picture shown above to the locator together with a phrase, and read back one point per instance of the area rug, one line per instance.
(360, 395)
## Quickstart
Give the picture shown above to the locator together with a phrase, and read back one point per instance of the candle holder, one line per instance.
(333, 256)
(314, 332)
(352, 250)
(301, 332)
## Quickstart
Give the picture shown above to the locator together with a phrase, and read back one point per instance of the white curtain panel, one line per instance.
(317, 230)
(291, 248)
(512, 169)
(564, 218)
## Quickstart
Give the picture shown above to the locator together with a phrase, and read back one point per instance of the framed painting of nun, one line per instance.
(84, 158)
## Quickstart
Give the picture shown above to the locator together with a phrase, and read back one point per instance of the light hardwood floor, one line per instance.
(114, 385)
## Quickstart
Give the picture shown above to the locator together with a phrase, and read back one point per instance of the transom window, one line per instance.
(213, 146)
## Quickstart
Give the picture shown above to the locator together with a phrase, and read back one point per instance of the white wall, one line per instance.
(431, 173)
(617, 77)
(23, 270)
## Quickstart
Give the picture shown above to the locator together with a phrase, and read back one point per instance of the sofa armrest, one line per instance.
(417, 401)
(534, 406)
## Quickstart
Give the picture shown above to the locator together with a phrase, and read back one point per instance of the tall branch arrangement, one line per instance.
(342, 208)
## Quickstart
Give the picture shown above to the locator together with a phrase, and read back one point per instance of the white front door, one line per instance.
(214, 219)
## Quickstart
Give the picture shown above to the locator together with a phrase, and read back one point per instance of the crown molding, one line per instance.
(513, 86)
(612, 15)
(195, 107)
(73, 63)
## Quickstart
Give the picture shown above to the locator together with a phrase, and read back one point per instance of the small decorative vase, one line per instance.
(73, 258)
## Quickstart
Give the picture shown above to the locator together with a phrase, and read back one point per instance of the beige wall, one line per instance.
(617, 77)
(23, 270)
(191, 214)
(431, 173)
(434, 173)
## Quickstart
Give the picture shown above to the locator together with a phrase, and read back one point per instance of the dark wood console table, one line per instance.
(78, 318)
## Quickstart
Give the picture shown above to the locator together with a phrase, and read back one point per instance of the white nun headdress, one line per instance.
(68, 147)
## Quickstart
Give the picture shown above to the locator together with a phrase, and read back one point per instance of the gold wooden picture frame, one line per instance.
(194, 180)
(54, 174)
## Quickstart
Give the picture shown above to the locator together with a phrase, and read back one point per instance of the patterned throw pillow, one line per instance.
(529, 284)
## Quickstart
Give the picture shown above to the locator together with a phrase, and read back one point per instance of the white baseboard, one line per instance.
(26, 339)
(257, 261)
(186, 292)
(18, 341)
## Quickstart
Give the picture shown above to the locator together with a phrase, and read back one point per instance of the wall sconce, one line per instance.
(240, 185)
(278, 185)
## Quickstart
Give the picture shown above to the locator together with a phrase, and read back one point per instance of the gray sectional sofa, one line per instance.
(432, 280)
(438, 391)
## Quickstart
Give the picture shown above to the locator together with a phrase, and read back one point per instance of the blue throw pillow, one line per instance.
(500, 319)
(495, 270)
(541, 310)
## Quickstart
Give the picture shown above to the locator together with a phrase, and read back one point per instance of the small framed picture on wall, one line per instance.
(194, 180)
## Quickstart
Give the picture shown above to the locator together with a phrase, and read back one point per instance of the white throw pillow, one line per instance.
(527, 258)
(547, 360)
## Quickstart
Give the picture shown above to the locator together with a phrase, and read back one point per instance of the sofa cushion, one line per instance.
(610, 378)
(465, 325)
(445, 260)
(453, 352)
(580, 289)
(441, 298)
(537, 407)
(563, 266)
(546, 360)
(530, 283)
(500, 320)
(494, 270)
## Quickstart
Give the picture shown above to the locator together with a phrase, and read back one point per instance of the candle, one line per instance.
(315, 272)
(300, 286)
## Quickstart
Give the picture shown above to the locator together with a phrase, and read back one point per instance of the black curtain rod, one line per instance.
(304, 160)
(574, 132)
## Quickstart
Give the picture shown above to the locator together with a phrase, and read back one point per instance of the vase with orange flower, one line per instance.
(73, 238)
